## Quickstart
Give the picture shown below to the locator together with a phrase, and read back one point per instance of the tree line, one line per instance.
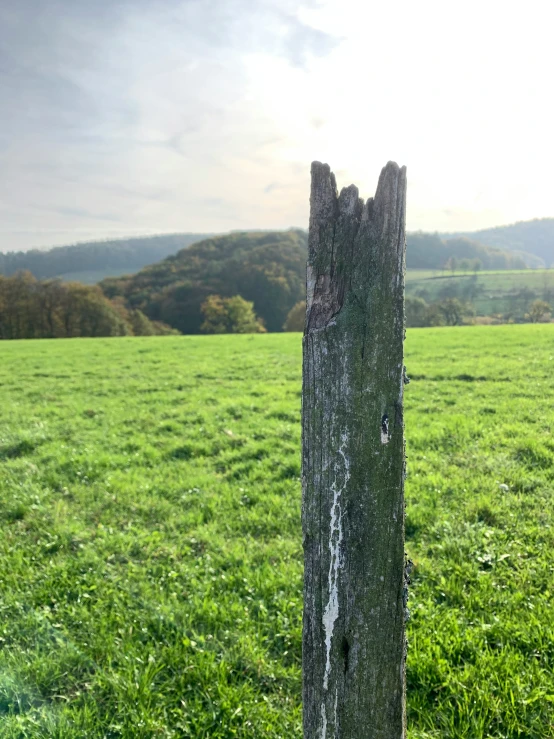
(443, 312)
(51, 309)
(456, 312)
(245, 281)
(33, 309)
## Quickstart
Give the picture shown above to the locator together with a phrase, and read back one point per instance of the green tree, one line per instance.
(452, 264)
(141, 325)
(539, 310)
(524, 297)
(466, 265)
(53, 309)
(215, 315)
(162, 329)
(230, 316)
(453, 311)
(48, 321)
(417, 312)
(20, 312)
(518, 262)
(242, 318)
(296, 317)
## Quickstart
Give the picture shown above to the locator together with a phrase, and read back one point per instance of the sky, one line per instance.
(127, 117)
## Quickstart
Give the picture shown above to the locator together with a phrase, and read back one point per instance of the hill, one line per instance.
(432, 251)
(266, 267)
(92, 261)
(534, 237)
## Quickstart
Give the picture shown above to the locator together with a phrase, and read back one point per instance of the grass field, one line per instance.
(150, 558)
(490, 292)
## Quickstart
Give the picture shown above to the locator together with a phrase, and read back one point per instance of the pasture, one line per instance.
(490, 292)
(150, 551)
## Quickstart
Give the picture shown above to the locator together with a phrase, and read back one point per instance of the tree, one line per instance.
(50, 294)
(466, 265)
(524, 297)
(230, 316)
(454, 311)
(452, 264)
(54, 309)
(97, 316)
(417, 312)
(296, 317)
(539, 310)
(20, 312)
(141, 325)
(518, 262)
(215, 315)
(162, 329)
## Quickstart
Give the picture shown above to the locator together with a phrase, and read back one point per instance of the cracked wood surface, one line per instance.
(353, 461)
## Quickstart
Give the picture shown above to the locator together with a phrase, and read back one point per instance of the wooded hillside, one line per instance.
(534, 237)
(431, 251)
(533, 242)
(266, 267)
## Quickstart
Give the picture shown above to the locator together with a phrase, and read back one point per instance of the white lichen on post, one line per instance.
(331, 612)
(353, 461)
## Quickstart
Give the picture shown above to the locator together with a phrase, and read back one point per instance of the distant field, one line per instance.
(489, 291)
(444, 274)
(150, 543)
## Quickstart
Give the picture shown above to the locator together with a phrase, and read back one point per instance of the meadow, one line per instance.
(150, 550)
(491, 292)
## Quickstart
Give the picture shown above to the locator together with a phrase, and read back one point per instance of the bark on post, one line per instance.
(353, 461)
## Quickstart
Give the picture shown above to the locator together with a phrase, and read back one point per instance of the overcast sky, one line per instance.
(122, 117)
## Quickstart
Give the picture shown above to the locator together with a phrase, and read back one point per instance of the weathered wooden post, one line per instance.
(353, 461)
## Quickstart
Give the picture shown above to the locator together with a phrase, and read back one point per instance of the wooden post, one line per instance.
(353, 464)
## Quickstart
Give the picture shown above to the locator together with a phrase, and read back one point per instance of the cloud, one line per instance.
(303, 42)
(135, 111)
(186, 114)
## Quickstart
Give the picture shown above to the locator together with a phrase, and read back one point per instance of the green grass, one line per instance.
(150, 556)
(491, 292)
